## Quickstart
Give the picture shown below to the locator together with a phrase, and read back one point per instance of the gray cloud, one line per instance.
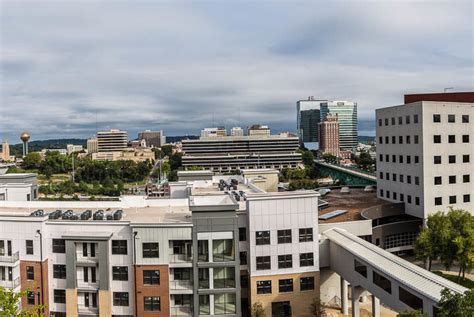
(68, 68)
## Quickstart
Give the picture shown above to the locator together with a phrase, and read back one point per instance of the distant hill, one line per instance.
(364, 138)
(38, 145)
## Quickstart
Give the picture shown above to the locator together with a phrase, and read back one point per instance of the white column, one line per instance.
(344, 297)
(356, 292)
(375, 306)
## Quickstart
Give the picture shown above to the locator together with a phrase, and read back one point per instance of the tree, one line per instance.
(32, 161)
(10, 301)
(167, 150)
(316, 308)
(329, 158)
(460, 245)
(308, 158)
(455, 304)
(412, 313)
(365, 162)
(257, 310)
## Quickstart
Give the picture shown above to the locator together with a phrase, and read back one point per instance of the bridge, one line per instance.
(389, 279)
(346, 175)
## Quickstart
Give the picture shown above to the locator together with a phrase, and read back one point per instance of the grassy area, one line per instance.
(55, 178)
(454, 278)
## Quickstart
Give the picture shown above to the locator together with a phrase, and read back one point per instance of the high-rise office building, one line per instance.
(92, 145)
(329, 135)
(258, 129)
(113, 140)
(346, 112)
(236, 131)
(5, 154)
(425, 154)
(152, 138)
(308, 117)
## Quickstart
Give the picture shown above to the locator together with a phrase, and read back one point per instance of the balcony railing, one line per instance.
(10, 284)
(181, 285)
(10, 258)
(87, 310)
(180, 258)
(181, 311)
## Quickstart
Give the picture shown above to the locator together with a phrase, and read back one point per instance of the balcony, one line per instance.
(181, 311)
(180, 258)
(91, 311)
(80, 259)
(181, 285)
(81, 284)
(15, 257)
(10, 284)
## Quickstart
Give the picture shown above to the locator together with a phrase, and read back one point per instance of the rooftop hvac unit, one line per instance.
(98, 215)
(110, 217)
(118, 214)
(86, 215)
(67, 215)
(37, 213)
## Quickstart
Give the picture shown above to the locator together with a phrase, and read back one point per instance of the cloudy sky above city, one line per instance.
(68, 69)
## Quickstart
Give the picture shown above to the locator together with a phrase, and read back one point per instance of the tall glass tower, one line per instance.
(346, 112)
(308, 117)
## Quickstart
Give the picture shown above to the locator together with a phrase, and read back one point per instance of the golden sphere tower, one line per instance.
(25, 137)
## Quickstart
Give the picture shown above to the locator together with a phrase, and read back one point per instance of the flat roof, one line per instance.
(408, 274)
(241, 138)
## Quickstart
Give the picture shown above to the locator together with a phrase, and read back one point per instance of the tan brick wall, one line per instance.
(161, 290)
(300, 301)
(71, 302)
(35, 284)
(105, 303)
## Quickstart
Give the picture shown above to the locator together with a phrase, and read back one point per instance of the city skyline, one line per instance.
(232, 65)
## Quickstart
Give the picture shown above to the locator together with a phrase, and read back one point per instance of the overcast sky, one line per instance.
(68, 68)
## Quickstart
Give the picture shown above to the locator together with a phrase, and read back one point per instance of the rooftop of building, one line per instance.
(465, 96)
(240, 138)
(354, 202)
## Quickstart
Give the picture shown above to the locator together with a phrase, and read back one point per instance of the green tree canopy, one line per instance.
(455, 304)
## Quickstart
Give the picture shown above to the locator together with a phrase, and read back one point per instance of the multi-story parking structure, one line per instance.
(245, 152)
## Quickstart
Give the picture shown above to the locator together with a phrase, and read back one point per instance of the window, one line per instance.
(410, 299)
(451, 139)
(151, 303)
(452, 179)
(417, 180)
(86, 273)
(150, 250)
(204, 305)
(244, 281)
(285, 261)
(119, 246)
(393, 121)
(306, 259)
(417, 201)
(84, 249)
(394, 140)
(60, 296)
(306, 234)
(224, 277)
(264, 287)
(409, 179)
(203, 251)
(224, 304)
(417, 159)
(242, 234)
(284, 236)
(381, 175)
(437, 139)
(223, 250)
(380, 140)
(408, 139)
(417, 139)
(466, 198)
(436, 118)
(415, 118)
(400, 139)
(30, 298)
(387, 194)
(387, 176)
(381, 193)
(466, 178)
(394, 196)
(387, 140)
(438, 201)
(263, 263)
(59, 271)
(30, 273)
(382, 282)
(380, 122)
(381, 157)
(386, 121)
(394, 177)
(120, 273)
(409, 199)
(120, 298)
(203, 278)
(451, 118)
(437, 159)
(243, 257)
(182, 300)
(400, 120)
(400, 159)
(407, 119)
(408, 159)
(465, 138)
(182, 274)
(285, 286)
(452, 159)
(307, 283)
(438, 180)
(29, 246)
(465, 158)
(402, 197)
(401, 178)
(360, 268)
(465, 118)
(59, 246)
(452, 199)
(262, 237)
(151, 277)
(387, 158)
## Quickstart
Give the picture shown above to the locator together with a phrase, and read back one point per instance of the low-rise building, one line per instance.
(258, 129)
(18, 187)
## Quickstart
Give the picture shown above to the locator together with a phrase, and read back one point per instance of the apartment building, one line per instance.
(329, 136)
(92, 145)
(425, 155)
(258, 129)
(113, 140)
(152, 138)
(346, 112)
(208, 253)
(213, 132)
(245, 152)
